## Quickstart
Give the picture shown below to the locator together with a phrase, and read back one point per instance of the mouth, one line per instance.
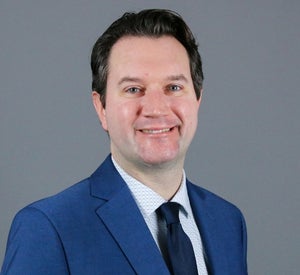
(156, 131)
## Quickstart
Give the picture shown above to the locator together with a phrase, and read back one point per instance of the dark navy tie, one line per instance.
(180, 256)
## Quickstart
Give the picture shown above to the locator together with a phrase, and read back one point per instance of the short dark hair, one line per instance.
(149, 23)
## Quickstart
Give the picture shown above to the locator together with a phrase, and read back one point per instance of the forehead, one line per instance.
(140, 52)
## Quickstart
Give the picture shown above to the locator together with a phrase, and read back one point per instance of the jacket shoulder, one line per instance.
(212, 201)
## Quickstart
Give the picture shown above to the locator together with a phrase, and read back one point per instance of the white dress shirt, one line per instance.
(149, 201)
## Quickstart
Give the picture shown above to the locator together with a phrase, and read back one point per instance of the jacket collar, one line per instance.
(211, 233)
(119, 212)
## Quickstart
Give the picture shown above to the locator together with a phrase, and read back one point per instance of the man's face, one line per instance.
(151, 106)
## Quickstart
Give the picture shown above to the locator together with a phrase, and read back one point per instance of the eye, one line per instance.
(133, 90)
(174, 88)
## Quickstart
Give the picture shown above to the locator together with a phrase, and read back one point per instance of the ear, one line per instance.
(199, 100)
(100, 110)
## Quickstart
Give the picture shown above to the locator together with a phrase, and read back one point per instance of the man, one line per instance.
(147, 88)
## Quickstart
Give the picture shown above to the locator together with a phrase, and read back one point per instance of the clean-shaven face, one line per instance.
(151, 106)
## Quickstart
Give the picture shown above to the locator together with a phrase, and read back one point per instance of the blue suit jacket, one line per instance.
(95, 227)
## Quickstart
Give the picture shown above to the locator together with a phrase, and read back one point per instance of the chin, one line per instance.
(162, 160)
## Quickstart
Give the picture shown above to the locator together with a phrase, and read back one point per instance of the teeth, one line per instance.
(150, 131)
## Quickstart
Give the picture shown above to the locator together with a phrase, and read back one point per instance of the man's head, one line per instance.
(147, 83)
(147, 23)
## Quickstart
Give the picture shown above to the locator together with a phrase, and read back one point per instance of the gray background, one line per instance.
(247, 145)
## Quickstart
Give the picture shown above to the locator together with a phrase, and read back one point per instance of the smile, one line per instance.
(156, 131)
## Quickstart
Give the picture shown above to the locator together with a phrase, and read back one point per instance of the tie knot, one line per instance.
(170, 212)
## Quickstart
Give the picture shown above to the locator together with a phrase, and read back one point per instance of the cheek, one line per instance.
(190, 119)
(120, 116)
(188, 111)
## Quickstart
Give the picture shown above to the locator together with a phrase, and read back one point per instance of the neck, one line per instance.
(164, 179)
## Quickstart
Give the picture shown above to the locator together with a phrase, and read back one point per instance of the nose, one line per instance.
(155, 103)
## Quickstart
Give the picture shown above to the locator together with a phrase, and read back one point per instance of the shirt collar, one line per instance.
(182, 197)
(148, 200)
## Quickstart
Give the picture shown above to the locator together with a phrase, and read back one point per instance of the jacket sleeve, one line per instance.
(244, 234)
(33, 246)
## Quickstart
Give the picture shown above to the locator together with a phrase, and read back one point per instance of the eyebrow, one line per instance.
(129, 79)
(179, 77)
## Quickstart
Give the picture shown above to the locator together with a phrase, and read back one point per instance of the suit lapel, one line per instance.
(123, 219)
(210, 232)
